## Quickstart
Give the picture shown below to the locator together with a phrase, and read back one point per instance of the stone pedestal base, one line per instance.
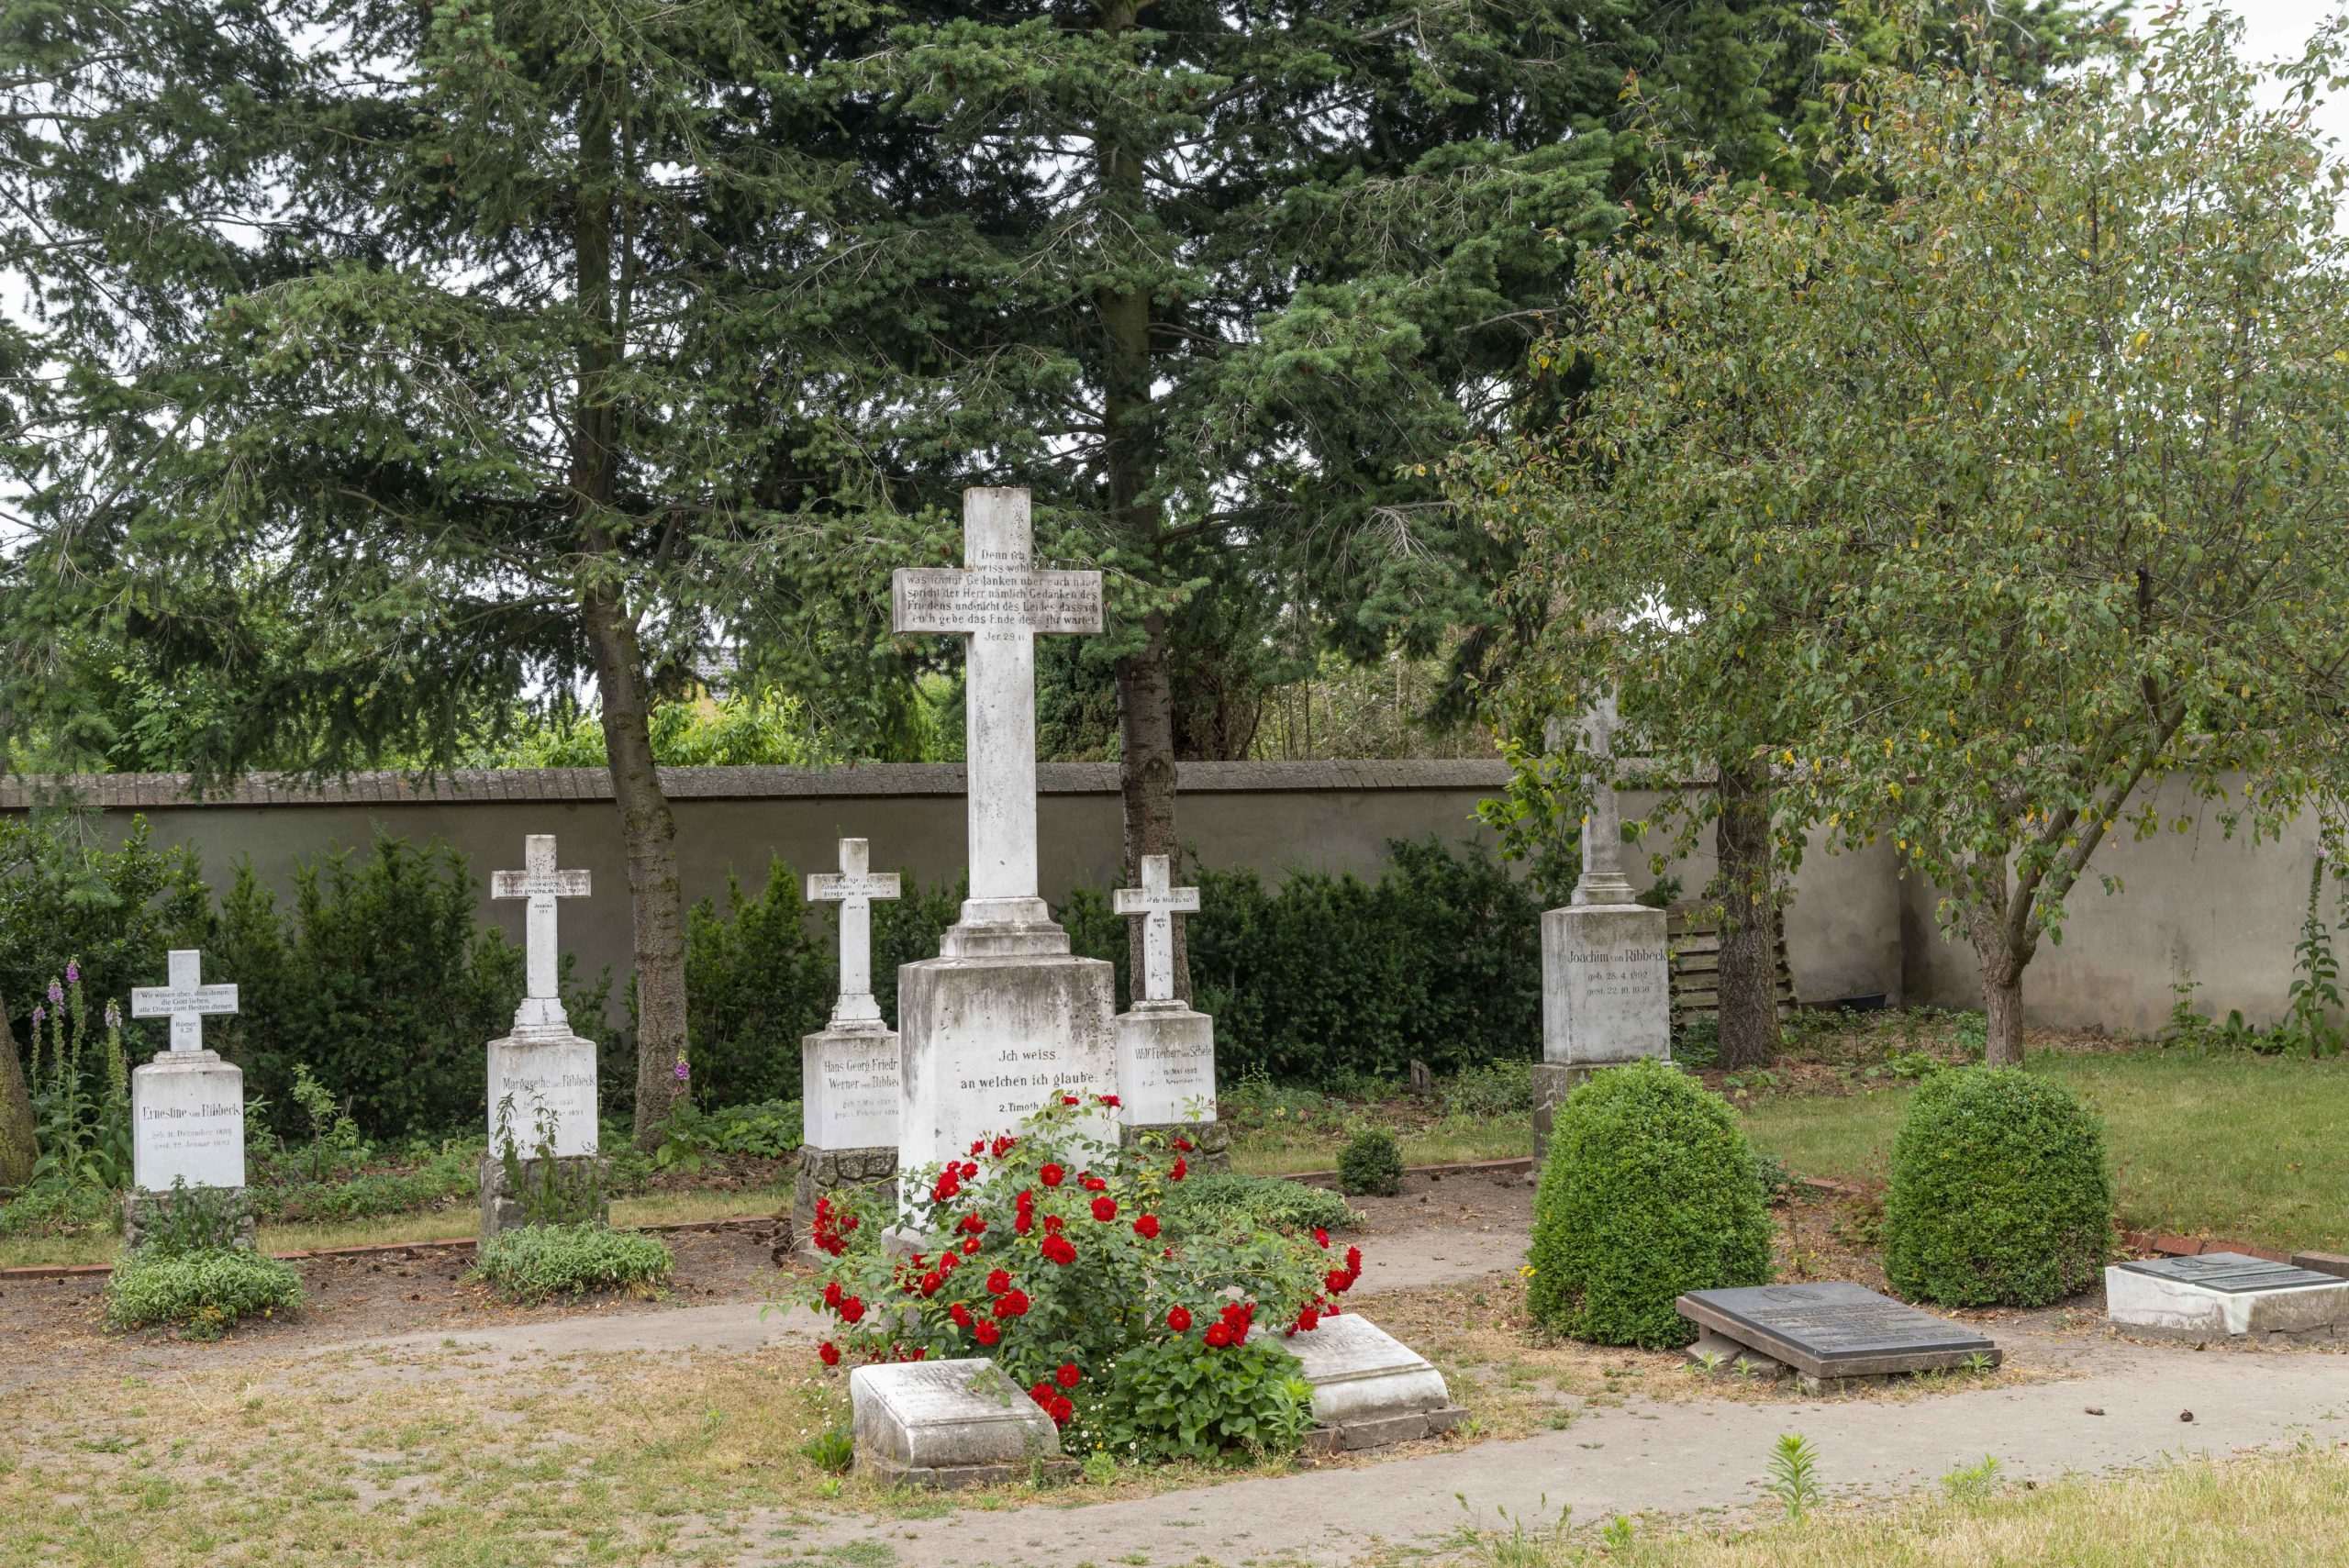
(1606, 984)
(949, 1424)
(502, 1207)
(870, 1173)
(1210, 1140)
(988, 1040)
(144, 1214)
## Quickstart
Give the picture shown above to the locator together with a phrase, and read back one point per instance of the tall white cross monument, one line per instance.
(848, 1079)
(541, 1076)
(1606, 974)
(1005, 1015)
(1165, 1050)
(187, 1106)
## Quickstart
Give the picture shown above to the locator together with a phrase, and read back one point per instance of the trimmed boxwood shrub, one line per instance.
(1649, 1189)
(536, 1263)
(2000, 1194)
(203, 1293)
(1370, 1164)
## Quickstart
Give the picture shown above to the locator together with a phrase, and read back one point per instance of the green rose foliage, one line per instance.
(203, 1294)
(537, 1262)
(1176, 1398)
(2000, 1194)
(1649, 1190)
(1060, 1254)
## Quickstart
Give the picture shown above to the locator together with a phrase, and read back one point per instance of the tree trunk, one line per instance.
(18, 1149)
(1145, 688)
(1748, 980)
(2002, 961)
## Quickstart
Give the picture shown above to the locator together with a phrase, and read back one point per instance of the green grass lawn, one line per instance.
(2233, 1145)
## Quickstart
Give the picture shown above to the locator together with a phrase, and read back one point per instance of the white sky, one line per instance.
(2276, 29)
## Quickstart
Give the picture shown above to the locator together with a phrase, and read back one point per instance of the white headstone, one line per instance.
(1157, 904)
(1605, 970)
(540, 1015)
(2221, 1295)
(187, 1110)
(848, 1089)
(185, 999)
(1000, 603)
(854, 887)
(934, 1422)
(1006, 1016)
(543, 1076)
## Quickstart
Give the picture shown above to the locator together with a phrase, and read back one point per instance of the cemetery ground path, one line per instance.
(1700, 1457)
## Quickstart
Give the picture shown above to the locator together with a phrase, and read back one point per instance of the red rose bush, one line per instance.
(1049, 1255)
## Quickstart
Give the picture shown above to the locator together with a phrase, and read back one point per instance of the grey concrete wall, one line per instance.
(2227, 912)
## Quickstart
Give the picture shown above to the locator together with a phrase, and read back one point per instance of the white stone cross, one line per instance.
(1602, 880)
(1157, 905)
(184, 998)
(999, 601)
(540, 1013)
(854, 888)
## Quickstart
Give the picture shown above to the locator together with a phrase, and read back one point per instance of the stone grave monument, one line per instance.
(1165, 1050)
(2227, 1296)
(1369, 1388)
(849, 1070)
(1005, 1015)
(187, 1106)
(541, 1076)
(1606, 974)
(948, 1424)
(1827, 1333)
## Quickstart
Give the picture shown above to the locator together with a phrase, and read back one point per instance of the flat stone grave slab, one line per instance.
(2223, 1295)
(1369, 1388)
(1830, 1330)
(948, 1424)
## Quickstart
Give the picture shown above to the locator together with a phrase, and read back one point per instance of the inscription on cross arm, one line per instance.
(184, 998)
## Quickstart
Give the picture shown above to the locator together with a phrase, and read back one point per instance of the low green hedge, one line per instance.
(203, 1293)
(1223, 1201)
(536, 1263)
(2000, 1194)
(1649, 1189)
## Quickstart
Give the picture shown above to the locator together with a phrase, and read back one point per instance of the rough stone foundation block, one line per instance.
(949, 1424)
(503, 1209)
(870, 1174)
(144, 1213)
(1553, 1082)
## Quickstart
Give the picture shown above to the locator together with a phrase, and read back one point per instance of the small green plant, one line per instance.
(1181, 1400)
(1495, 1089)
(1709, 1363)
(1100, 1467)
(832, 1451)
(552, 1192)
(2315, 992)
(537, 1262)
(1696, 1039)
(1617, 1537)
(1778, 1182)
(1516, 1547)
(1651, 1189)
(335, 1141)
(1999, 1192)
(1981, 1363)
(1370, 1164)
(1912, 1065)
(193, 1219)
(1794, 1476)
(769, 1129)
(203, 1294)
(1972, 1481)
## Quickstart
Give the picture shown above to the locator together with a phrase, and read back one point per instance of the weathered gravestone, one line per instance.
(1827, 1332)
(1004, 1015)
(948, 1424)
(849, 1077)
(543, 1104)
(2224, 1295)
(1369, 1388)
(1165, 1050)
(1606, 974)
(187, 1106)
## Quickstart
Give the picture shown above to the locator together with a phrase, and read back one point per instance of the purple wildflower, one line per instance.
(73, 973)
(56, 993)
(114, 1015)
(684, 1072)
(40, 1013)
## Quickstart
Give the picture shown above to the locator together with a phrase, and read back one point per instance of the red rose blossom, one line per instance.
(1335, 1282)
(1322, 1237)
(986, 1332)
(1024, 1224)
(1147, 1228)
(1182, 1169)
(1061, 1411)
(1182, 1146)
(930, 1282)
(1052, 1223)
(852, 1308)
(1012, 1304)
(998, 1281)
(832, 1293)
(1042, 1394)
(1105, 1209)
(1071, 1100)
(1051, 1175)
(960, 1313)
(978, 1145)
(1002, 1145)
(1057, 1249)
(1179, 1319)
(829, 1352)
(1110, 1101)
(970, 1245)
(1068, 1376)
(1218, 1336)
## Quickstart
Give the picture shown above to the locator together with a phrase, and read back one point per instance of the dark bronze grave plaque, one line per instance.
(1835, 1328)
